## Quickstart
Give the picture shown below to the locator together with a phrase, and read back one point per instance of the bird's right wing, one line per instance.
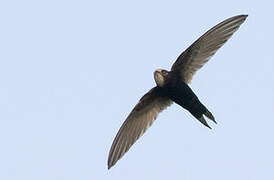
(140, 118)
(194, 57)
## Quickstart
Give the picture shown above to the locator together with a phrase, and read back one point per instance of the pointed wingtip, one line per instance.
(245, 16)
(242, 16)
(109, 164)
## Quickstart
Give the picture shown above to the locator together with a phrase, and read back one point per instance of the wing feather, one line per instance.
(194, 57)
(140, 118)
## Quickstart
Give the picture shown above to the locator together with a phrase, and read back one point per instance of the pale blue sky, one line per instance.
(71, 71)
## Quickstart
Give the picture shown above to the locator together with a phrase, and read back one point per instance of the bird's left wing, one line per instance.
(140, 118)
(194, 57)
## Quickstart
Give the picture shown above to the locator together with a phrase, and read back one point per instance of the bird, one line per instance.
(172, 87)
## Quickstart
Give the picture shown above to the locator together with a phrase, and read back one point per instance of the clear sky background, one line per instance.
(71, 71)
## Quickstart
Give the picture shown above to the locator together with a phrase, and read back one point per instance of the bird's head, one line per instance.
(160, 77)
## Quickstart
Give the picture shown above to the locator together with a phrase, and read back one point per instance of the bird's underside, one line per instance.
(188, 100)
(172, 87)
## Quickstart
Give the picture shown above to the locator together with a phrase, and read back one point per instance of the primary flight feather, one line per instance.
(171, 86)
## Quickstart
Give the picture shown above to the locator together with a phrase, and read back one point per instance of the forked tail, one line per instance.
(208, 114)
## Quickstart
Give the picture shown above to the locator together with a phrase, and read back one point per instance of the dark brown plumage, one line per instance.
(172, 87)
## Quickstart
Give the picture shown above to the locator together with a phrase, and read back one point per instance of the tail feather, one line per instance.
(210, 116)
(203, 121)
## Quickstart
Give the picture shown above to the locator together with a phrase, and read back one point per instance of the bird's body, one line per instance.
(180, 93)
(187, 100)
(172, 86)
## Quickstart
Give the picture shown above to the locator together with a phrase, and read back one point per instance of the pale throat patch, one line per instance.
(159, 79)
